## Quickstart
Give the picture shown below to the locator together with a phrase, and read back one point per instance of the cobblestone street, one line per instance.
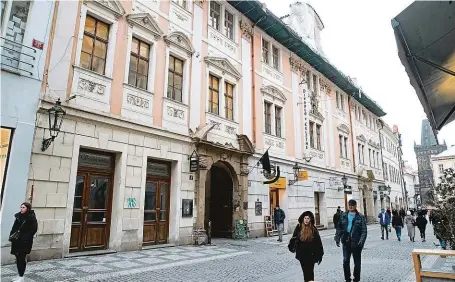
(262, 259)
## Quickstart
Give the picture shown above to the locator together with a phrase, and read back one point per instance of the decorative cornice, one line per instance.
(361, 138)
(296, 64)
(247, 30)
(111, 5)
(274, 92)
(373, 144)
(325, 85)
(343, 128)
(200, 3)
(224, 65)
(146, 21)
(180, 40)
(317, 115)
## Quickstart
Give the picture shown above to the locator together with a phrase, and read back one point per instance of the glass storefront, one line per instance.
(5, 136)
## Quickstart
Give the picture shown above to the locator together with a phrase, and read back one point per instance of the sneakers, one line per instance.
(18, 279)
(382, 238)
(399, 239)
(15, 278)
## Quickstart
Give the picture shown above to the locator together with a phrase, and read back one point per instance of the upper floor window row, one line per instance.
(94, 45)
(340, 100)
(221, 19)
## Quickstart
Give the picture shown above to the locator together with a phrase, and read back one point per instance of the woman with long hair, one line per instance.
(308, 245)
(21, 237)
(397, 223)
(410, 224)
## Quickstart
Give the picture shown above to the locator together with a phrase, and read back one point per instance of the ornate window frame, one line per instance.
(276, 97)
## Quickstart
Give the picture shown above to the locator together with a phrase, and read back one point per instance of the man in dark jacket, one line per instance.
(384, 220)
(279, 217)
(352, 231)
(336, 217)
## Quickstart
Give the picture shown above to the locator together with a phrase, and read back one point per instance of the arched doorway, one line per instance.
(219, 189)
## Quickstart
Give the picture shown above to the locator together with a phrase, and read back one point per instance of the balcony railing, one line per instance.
(17, 57)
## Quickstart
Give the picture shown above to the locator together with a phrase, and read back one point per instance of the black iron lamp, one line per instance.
(344, 180)
(296, 169)
(56, 114)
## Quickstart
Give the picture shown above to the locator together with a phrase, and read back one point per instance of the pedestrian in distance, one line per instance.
(402, 214)
(384, 220)
(390, 216)
(279, 217)
(307, 245)
(337, 216)
(21, 237)
(352, 232)
(397, 224)
(410, 224)
(421, 223)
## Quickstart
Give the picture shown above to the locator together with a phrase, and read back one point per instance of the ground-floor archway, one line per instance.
(219, 189)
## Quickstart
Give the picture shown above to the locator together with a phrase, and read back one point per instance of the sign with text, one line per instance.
(335, 181)
(194, 165)
(37, 44)
(303, 175)
(279, 184)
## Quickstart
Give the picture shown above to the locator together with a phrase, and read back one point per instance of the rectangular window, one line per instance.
(337, 99)
(214, 95)
(340, 139)
(363, 154)
(315, 83)
(342, 102)
(139, 64)
(94, 45)
(374, 158)
(215, 11)
(369, 157)
(175, 79)
(265, 51)
(268, 117)
(307, 75)
(275, 58)
(346, 147)
(277, 121)
(311, 134)
(318, 137)
(441, 168)
(228, 25)
(229, 100)
(360, 152)
(181, 3)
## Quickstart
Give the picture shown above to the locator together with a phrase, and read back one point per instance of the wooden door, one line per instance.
(91, 212)
(92, 202)
(317, 215)
(274, 200)
(156, 211)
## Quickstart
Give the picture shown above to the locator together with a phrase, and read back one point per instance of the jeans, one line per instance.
(357, 256)
(21, 263)
(398, 230)
(443, 244)
(308, 270)
(386, 228)
(280, 228)
(422, 234)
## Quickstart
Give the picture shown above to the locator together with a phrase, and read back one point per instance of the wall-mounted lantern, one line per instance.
(296, 168)
(344, 181)
(56, 114)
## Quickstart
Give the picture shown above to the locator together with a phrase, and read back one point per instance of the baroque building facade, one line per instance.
(150, 86)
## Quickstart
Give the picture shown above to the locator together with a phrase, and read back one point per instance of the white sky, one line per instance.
(358, 39)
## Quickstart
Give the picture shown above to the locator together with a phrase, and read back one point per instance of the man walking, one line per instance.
(336, 217)
(279, 217)
(384, 220)
(352, 231)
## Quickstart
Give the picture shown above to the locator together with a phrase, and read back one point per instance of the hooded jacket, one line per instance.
(308, 251)
(27, 231)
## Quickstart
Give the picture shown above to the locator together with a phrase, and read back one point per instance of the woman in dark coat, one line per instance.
(397, 223)
(421, 223)
(309, 249)
(27, 226)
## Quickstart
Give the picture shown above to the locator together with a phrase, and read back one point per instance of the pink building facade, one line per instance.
(149, 86)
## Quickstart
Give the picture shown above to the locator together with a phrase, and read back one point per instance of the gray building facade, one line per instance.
(429, 146)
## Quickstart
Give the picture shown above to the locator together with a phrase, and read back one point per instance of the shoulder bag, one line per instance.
(16, 234)
(292, 246)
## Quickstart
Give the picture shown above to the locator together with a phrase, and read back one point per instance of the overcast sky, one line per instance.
(359, 40)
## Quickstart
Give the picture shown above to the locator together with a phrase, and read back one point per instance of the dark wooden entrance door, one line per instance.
(317, 214)
(92, 202)
(220, 202)
(156, 206)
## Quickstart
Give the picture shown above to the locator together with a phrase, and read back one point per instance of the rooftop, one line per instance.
(449, 153)
(266, 20)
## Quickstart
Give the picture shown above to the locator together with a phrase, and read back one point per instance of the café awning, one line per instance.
(425, 35)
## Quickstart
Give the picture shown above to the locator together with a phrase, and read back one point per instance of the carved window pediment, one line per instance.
(112, 6)
(317, 115)
(180, 40)
(273, 92)
(361, 138)
(343, 128)
(224, 65)
(373, 144)
(146, 21)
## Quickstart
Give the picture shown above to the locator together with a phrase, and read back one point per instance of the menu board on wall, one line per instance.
(4, 150)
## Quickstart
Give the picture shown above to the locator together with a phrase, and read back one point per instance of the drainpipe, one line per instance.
(253, 87)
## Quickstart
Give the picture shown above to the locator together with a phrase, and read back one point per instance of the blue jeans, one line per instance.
(357, 256)
(398, 230)
(443, 244)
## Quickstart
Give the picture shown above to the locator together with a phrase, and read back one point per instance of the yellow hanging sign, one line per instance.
(279, 184)
(303, 175)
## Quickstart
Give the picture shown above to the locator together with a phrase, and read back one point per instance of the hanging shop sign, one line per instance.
(194, 162)
(303, 175)
(348, 189)
(279, 184)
